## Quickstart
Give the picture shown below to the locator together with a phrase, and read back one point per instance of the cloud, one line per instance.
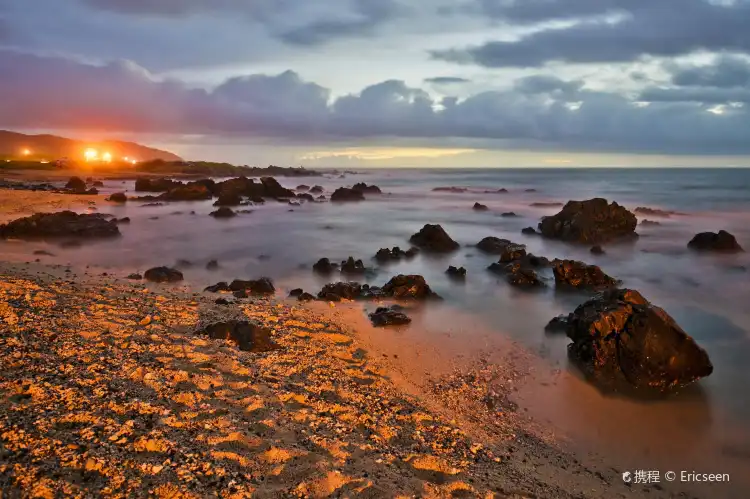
(725, 71)
(658, 28)
(539, 113)
(446, 80)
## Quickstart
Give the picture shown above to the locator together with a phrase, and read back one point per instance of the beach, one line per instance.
(109, 390)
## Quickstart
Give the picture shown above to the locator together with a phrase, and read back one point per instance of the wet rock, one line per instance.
(306, 196)
(352, 266)
(222, 301)
(409, 287)
(642, 210)
(191, 192)
(385, 255)
(343, 195)
(241, 186)
(135, 277)
(722, 241)
(223, 212)
(411, 253)
(370, 189)
(272, 188)
(523, 277)
(155, 185)
(592, 221)
(456, 273)
(316, 189)
(248, 336)
(305, 297)
(320, 198)
(433, 238)
(480, 207)
(163, 274)
(449, 189)
(341, 291)
(624, 343)
(218, 287)
(262, 286)
(386, 317)
(123, 220)
(581, 276)
(303, 187)
(76, 184)
(60, 225)
(493, 245)
(118, 197)
(649, 223)
(512, 252)
(324, 266)
(529, 231)
(508, 214)
(228, 199)
(298, 291)
(546, 205)
(98, 183)
(597, 250)
(557, 325)
(212, 265)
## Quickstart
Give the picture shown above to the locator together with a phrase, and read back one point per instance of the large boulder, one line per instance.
(344, 195)
(581, 276)
(240, 186)
(385, 317)
(512, 252)
(341, 291)
(248, 336)
(493, 245)
(118, 197)
(409, 287)
(155, 185)
(592, 222)
(272, 188)
(624, 343)
(163, 274)
(722, 241)
(370, 189)
(76, 184)
(324, 266)
(433, 238)
(63, 224)
(190, 192)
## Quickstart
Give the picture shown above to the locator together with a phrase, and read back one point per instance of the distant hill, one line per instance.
(51, 147)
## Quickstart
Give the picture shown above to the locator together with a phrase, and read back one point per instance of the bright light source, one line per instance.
(107, 157)
(90, 154)
(26, 152)
(126, 158)
(44, 161)
(133, 161)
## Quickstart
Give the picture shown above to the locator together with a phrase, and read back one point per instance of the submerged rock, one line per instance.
(456, 273)
(480, 207)
(722, 241)
(597, 250)
(118, 197)
(529, 231)
(553, 204)
(508, 214)
(370, 189)
(248, 336)
(190, 192)
(409, 287)
(223, 212)
(642, 210)
(582, 276)
(593, 221)
(306, 196)
(163, 274)
(155, 185)
(316, 189)
(62, 224)
(449, 189)
(303, 187)
(433, 238)
(343, 195)
(324, 266)
(649, 223)
(624, 343)
(384, 317)
(212, 265)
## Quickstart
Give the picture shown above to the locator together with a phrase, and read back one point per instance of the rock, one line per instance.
(163, 274)
(434, 239)
(597, 250)
(456, 273)
(228, 199)
(493, 245)
(218, 287)
(394, 254)
(385, 317)
(343, 195)
(341, 291)
(118, 197)
(155, 185)
(60, 225)
(248, 336)
(306, 196)
(524, 278)
(508, 214)
(98, 183)
(241, 186)
(411, 253)
(581, 276)
(324, 266)
(76, 184)
(529, 231)
(43, 253)
(593, 221)
(649, 223)
(303, 187)
(262, 286)
(624, 343)
(135, 277)
(480, 207)
(296, 292)
(642, 210)
(352, 266)
(557, 325)
(370, 189)
(512, 252)
(222, 301)
(530, 190)
(272, 188)
(449, 189)
(123, 220)
(223, 212)
(190, 192)
(546, 205)
(212, 265)
(316, 189)
(320, 198)
(722, 241)
(305, 297)
(408, 287)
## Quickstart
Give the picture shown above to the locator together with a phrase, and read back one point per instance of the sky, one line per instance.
(348, 83)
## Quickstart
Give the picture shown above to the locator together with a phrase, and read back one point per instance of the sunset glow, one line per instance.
(91, 154)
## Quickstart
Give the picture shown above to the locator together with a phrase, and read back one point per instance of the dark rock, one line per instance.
(43, 253)
(341, 290)
(434, 239)
(222, 301)
(163, 274)
(529, 231)
(370, 189)
(272, 188)
(385, 317)
(557, 325)
(649, 223)
(642, 210)
(320, 198)
(624, 343)
(352, 266)
(394, 254)
(306, 196)
(593, 221)
(123, 220)
(248, 336)
(223, 212)
(411, 253)
(579, 275)
(118, 197)
(305, 297)
(60, 225)
(449, 189)
(546, 205)
(98, 183)
(135, 277)
(480, 207)
(316, 189)
(182, 263)
(296, 292)
(303, 187)
(228, 199)
(512, 252)
(218, 287)
(530, 190)
(408, 287)
(722, 241)
(212, 265)
(324, 266)
(262, 286)
(191, 192)
(508, 214)
(493, 245)
(523, 277)
(155, 185)
(456, 273)
(342, 195)
(241, 186)
(597, 250)
(76, 184)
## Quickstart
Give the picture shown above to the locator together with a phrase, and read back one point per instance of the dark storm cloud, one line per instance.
(726, 71)
(662, 28)
(54, 93)
(446, 80)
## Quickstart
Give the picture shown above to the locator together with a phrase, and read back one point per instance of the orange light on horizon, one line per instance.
(26, 152)
(107, 157)
(90, 154)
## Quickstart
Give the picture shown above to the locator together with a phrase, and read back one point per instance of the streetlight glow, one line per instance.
(107, 157)
(90, 154)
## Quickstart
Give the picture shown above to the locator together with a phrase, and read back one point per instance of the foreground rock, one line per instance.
(62, 224)
(163, 274)
(248, 336)
(433, 238)
(409, 287)
(593, 221)
(385, 317)
(722, 241)
(581, 276)
(344, 195)
(624, 343)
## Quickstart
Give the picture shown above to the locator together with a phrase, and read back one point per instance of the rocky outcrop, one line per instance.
(240, 186)
(352, 266)
(223, 212)
(163, 274)
(190, 192)
(456, 273)
(341, 291)
(118, 197)
(389, 316)
(493, 245)
(433, 238)
(624, 343)
(529, 231)
(593, 221)
(344, 195)
(272, 188)
(228, 199)
(722, 241)
(408, 287)
(324, 266)
(385, 255)
(579, 275)
(480, 207)
(262, 286)
(145, 184)
(316, 189)
(76, 184)
(248, 336)
(63, 224)
(370, 189)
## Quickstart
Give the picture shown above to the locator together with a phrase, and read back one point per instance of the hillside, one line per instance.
(51, 147)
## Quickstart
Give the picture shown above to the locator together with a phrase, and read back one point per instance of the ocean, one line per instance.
(708, 295)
